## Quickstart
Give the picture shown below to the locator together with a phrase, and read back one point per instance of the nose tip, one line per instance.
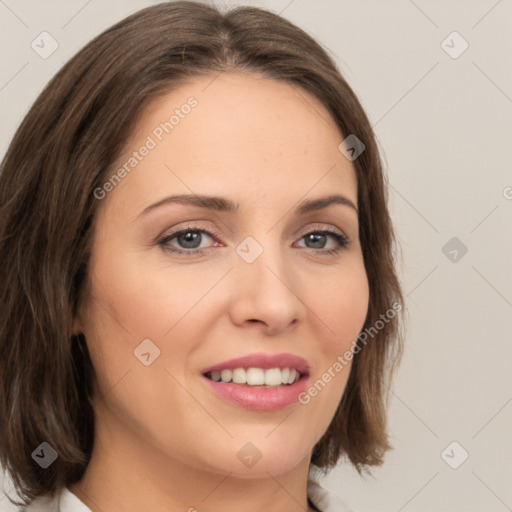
(265, 297)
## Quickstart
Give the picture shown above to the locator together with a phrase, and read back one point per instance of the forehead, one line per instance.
(235, 134)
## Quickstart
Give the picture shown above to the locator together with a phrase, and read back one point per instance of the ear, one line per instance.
(77, 326)
(76, 329)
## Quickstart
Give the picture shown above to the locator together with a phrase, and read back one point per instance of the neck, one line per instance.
(129, 475)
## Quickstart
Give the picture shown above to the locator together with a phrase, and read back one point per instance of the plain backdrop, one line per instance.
(436, 81)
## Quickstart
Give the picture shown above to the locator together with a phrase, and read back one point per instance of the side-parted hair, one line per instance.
(66, 147)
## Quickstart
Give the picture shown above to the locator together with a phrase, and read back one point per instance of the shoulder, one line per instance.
(42, 504)
(324, 500)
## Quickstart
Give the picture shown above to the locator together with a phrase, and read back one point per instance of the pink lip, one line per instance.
(265, 361)
(260, 398)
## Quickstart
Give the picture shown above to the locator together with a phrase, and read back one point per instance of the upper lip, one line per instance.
(261, 360)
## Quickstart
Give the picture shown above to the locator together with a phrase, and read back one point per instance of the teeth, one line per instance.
(239, 376)
(257, 376)
(226, 375)
(273, 377)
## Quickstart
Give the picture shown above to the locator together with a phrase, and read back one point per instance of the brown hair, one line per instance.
(65, 148)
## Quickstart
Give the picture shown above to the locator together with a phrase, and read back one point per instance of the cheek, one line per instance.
(344, 309)
(341, 303)
(135, 300)
(149, 298)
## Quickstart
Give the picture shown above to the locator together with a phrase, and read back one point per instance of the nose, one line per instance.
(265, 294)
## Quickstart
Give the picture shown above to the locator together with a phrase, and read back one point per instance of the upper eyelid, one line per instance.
(323, 227)
(188, 227)
(213, 232)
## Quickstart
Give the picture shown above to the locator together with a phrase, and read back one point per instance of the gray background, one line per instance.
(444, 125)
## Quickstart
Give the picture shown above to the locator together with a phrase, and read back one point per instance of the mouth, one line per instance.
(256, 377)
(264, 382)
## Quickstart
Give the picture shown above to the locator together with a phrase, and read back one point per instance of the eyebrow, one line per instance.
(221, 204)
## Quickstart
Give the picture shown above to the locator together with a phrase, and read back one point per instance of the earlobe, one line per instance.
(77, 328)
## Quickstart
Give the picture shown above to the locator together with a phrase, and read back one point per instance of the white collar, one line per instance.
(324, 500)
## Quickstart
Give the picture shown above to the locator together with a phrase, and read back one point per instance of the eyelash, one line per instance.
(341, 239)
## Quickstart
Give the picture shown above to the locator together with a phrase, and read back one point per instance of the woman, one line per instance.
(199, 309)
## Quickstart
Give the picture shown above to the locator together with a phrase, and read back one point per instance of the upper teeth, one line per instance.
(257, 376)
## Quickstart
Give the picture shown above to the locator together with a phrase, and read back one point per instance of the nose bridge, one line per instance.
(266, 287)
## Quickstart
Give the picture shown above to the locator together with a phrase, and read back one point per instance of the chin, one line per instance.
(259, 458)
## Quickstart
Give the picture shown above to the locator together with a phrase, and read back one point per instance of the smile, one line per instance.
(256, 376)
(264, 382)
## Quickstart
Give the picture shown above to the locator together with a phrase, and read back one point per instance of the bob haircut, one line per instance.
(66, 147)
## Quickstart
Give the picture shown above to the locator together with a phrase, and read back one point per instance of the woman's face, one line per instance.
(253, 272)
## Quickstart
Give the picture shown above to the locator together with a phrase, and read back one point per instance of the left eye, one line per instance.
(189, 239)
(321, 237)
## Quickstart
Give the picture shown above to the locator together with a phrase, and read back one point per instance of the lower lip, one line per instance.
(260, 399)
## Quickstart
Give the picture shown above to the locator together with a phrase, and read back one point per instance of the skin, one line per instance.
(164, 440)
